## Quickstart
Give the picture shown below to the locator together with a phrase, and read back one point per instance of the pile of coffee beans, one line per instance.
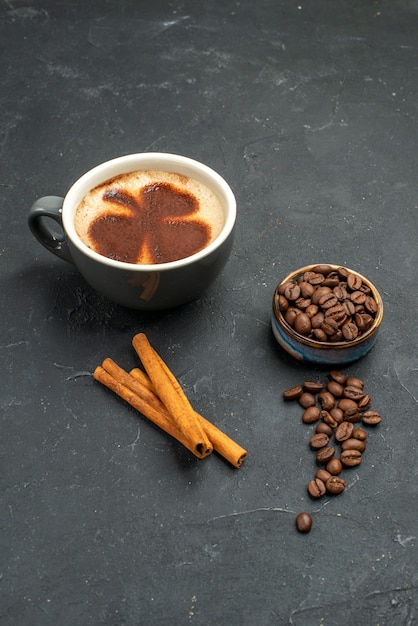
(327, 305)
(339, 410)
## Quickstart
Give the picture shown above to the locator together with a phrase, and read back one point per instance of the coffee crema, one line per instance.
(149, 217)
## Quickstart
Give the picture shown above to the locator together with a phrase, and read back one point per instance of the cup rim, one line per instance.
(322, 345)
(163, 161)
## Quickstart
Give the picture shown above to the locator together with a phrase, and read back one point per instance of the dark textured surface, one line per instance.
(309, 111)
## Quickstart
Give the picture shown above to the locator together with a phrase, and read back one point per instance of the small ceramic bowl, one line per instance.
(310, 350)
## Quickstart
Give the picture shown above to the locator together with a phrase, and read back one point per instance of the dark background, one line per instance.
(309, 110)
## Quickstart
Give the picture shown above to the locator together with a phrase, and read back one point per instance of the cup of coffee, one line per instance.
(150, 231)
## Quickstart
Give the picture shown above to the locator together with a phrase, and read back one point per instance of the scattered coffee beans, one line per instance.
(327, 305)
(338, 444)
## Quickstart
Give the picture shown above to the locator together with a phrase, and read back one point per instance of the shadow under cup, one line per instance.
(144, 287)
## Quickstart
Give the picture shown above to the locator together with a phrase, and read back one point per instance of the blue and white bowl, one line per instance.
(321, 352)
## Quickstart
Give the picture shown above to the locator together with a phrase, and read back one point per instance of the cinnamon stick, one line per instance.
(155, 414)
(169, 391)
(222, 443)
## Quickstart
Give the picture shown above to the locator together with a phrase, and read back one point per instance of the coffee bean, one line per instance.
(306, 400)
(350, 331)
(322, 427)
(319, 440)
(354, 282)
(306, 289)
(311, 415)
(303, 522)
(312, 386)
(335, 388)
(371, 305)
(291, 315)
(325, 454)
(351, 458)
(334, 466)
(328, 419)
(353, 381)
(353, 444)
(316, 488)
(319, 334)
(364, 402)
(346, 404)
(344, 431)
(327, 400)
(335, 485)
(338, 376)
(358, 297)
(371, 418)
(292, 291)
(337, 414)
(353, 393)
(293, 393)
(359, 433)
(302, 324)
(323, 475)
(322, 268)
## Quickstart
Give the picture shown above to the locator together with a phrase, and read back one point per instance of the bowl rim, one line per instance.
(322, 345)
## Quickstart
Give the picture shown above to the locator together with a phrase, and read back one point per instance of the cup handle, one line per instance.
(49, 207)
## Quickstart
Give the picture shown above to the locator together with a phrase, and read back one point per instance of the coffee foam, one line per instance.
(93, 206)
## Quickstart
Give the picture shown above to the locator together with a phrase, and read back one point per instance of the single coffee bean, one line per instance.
(343, 272)
(312, 386)
(329, 326)
(340, 292)
(335, 485)
(303, 522)
(335, 388)
(325, 454)
(344, 431)
(311, 311)
(353, 393)
(306, 289)
(291, 315)
(322, 268)
(338, 376)
(317, 319)
(303, 303)
(337, 414)
(321, 427)
(350, 458)
(319, 334)
(311, 415)
(338, 313)
(346, 404)
(358, 297)
(371, 418)
(327, 400)
(319, 440)
(328, 419)
(306, 399)
(319, 293)
(353, 381)
(350, 331)
(292, 291)
(328, 300)
(302, 324)
(315, 278)
(293, 393)
(364, 402)
(353, 444)
(316, 488)
(359, 433)
(352, 415)
(323, 475)
(354, 282)
(371, 305)
(334, 466)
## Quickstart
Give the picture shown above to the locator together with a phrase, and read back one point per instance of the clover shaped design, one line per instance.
(159, 225)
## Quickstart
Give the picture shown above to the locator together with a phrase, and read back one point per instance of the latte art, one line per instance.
(149, 217)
